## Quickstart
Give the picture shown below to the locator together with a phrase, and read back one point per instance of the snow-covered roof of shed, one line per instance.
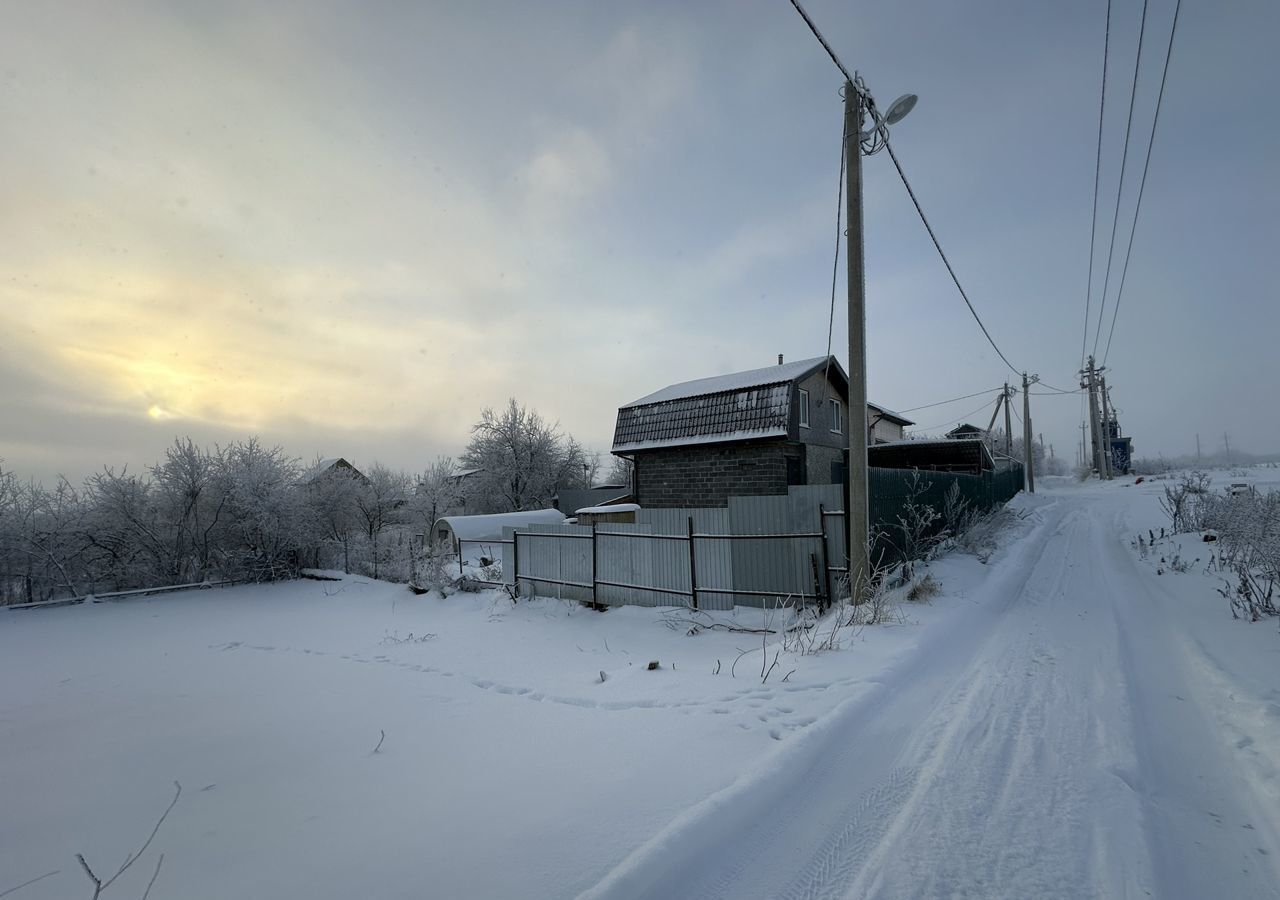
(489, 528)
(736, 381)
(608, 508)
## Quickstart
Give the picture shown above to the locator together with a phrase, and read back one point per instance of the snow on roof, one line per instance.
(609, 508)
(742, 435)
(736, 381)
(886, 413)
(489, 528)
(930, 442)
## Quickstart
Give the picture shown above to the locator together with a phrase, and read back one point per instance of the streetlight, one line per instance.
(858, 102)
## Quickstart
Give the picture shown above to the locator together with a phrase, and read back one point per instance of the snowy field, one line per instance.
(1063, 721)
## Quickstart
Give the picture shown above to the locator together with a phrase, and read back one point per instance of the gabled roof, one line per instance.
(739, 406)
(334, 464)
(965, 429)
(787, 372)
(888, 414)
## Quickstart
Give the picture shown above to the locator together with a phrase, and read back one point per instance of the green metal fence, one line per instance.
(893, 492)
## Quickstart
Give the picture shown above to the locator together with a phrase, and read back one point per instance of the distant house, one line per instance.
(966, 430)
(748, 433)
(328, 468)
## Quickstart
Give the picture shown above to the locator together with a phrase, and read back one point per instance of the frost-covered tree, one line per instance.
(621, 471)
(436, 492)
(380, 503)
(189, 491)
(332, 496)
(523, 460)
(269, 524)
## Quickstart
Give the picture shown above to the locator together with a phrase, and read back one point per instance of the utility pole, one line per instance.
(1095, 428)
(1226, 439)
(1106, 429)
(856, 519)
(1197, 449)
(1027, 448)
(1008, 424)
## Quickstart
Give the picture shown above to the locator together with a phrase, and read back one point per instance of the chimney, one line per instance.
(779, 359)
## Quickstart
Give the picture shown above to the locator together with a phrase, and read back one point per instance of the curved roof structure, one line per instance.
(489, 528)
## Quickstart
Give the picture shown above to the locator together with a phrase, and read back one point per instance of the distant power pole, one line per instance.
(1027, 448)
(1197, 449)
(1106, 429)
(1008, 424)
(1095, 426)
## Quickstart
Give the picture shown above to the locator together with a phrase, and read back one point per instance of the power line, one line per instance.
(929, 228)
(1142, 185)
(952, 400)
(821, 40)
(1097, 174)
(1056, 390)
(835, 264)
(1124, 158)
(901, 174)
(949, 421)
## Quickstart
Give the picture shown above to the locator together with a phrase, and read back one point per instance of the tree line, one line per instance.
(248, 512)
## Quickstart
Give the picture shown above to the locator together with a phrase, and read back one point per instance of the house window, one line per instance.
(804, 408)
(836, 425)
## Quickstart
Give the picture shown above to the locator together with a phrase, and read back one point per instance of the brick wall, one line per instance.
(706, 476)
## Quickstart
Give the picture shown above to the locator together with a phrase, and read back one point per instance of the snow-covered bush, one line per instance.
(1247, 531)
(1183, 502)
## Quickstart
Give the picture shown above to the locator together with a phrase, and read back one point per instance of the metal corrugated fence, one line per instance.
(759, 551)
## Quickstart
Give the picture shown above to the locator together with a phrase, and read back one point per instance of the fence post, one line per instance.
(826, 554)
(515, 561)
(595, 560)
(693, 568)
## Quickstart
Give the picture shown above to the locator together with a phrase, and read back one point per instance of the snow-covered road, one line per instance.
(1070, 738)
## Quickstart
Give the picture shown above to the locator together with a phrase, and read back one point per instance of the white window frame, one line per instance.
(837, 426)
(804, 408)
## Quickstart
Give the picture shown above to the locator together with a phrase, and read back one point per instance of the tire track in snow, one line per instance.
(820, 788)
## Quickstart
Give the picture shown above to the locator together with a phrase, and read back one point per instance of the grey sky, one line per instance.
(348, 227)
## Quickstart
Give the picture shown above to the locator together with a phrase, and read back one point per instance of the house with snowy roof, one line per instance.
(330, 468)
(747, 433)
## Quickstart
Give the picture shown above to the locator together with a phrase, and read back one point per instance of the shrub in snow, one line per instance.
(1247, 527)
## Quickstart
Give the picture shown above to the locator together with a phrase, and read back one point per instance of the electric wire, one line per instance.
(835, 264)
(1124, 272)
(1097, 175)
(1124, 159)
(946, 262)
(901, 174)
(917, 428)
(952, 400)
(821, 40)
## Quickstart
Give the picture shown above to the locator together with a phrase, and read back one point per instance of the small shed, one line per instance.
(965, 455)
(474, 536)
(610, 513)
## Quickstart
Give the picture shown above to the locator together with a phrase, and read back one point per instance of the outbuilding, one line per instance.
(474, 536)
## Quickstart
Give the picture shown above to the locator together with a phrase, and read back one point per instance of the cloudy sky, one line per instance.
(347, 228)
